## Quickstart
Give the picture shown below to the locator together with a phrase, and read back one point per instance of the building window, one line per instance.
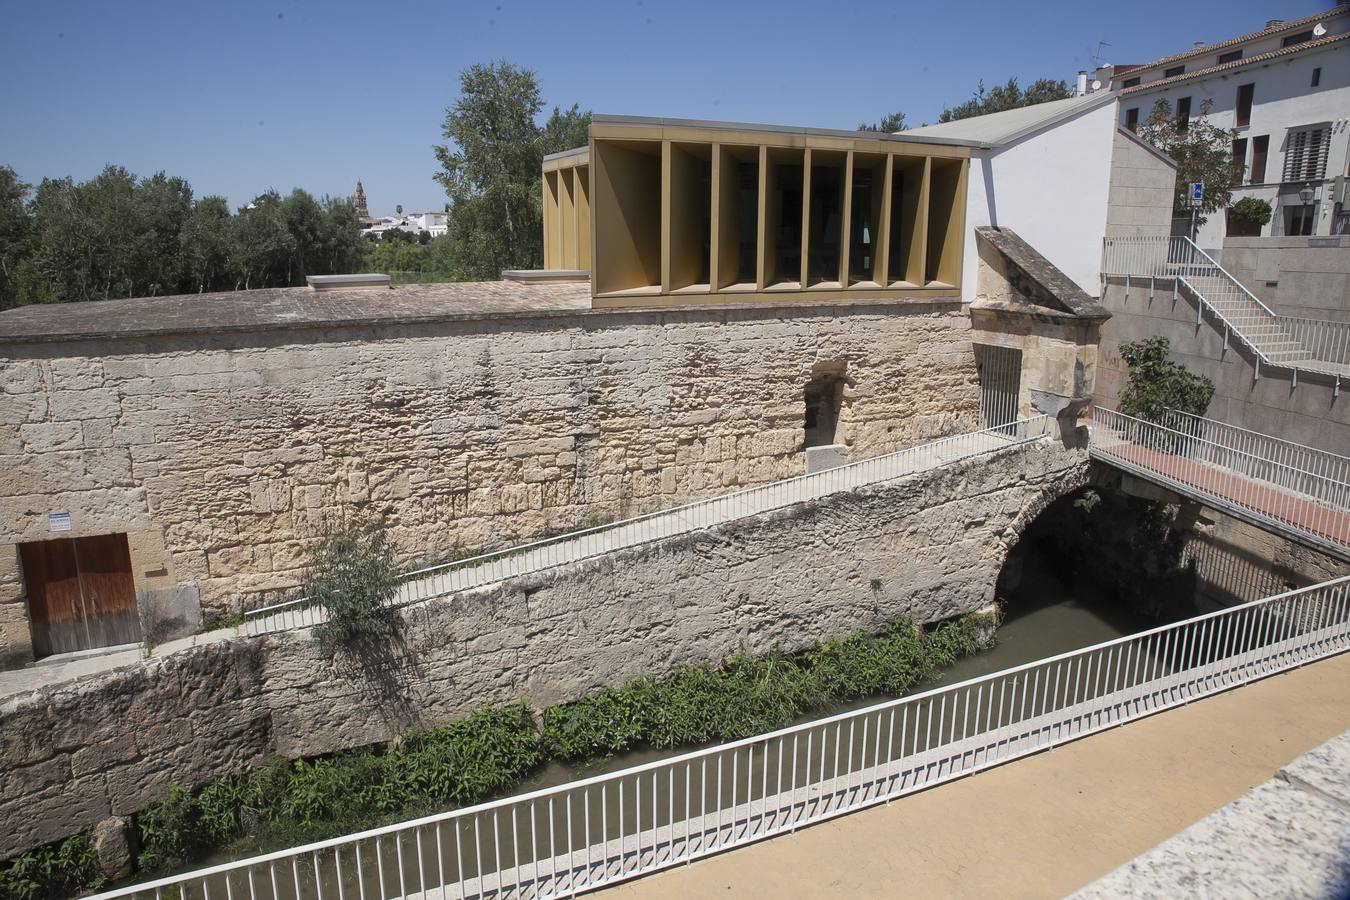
(1317, 76)
(1174, 71)
(1300, 38)
(1305, 153)
(1183, 113)
(1260, 147)
(1299, 220)
(1130, 82)
(1244, 104)
(1231, 56)
(1240, 156)
(1132, 118)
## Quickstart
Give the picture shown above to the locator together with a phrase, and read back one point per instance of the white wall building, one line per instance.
(1286, 91)
(1063, 176)
(434, 223)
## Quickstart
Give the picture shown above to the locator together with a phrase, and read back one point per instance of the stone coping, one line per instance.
(280, 309)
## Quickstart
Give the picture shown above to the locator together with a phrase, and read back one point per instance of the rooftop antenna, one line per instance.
(1097, 55)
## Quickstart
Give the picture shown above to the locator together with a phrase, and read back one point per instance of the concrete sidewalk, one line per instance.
(1047, 825)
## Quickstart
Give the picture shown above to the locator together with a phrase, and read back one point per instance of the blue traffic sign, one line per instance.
(1197, 191)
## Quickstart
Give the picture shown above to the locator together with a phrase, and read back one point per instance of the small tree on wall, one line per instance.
(352, 575)
(1158, 384)
(1202, 151)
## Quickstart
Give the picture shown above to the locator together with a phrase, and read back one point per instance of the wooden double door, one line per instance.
(80, 593)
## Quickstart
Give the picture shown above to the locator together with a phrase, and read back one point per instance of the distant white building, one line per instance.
(434, 223)
(1286, 91)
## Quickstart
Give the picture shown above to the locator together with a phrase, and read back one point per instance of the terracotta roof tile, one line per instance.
(1239, 63)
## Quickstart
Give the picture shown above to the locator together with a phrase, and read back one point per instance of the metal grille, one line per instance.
(1000, 371)
(1305, 157)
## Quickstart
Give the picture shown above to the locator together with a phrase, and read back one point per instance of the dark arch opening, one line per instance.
(1094, 565)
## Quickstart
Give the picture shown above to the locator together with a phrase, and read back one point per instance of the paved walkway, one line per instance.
(1046, 825)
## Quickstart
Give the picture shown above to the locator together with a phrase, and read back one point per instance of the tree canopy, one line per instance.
(890, 123)
(118, 235)
(1202, 151)
(490, 167)
(1006, 96)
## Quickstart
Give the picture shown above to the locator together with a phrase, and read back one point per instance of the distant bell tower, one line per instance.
(361, 210)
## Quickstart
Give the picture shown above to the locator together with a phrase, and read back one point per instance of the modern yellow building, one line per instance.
(666, 211)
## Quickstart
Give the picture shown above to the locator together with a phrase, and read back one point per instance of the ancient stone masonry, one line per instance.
(220, 454)
(929, 546)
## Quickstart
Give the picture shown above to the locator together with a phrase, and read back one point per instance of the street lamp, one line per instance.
(1306, 194)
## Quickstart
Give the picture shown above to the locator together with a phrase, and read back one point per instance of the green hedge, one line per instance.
(483, 755)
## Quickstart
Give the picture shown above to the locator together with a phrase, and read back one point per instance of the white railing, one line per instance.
(1298, 490)
(490, 568)
(601, 830)
(1306, 344)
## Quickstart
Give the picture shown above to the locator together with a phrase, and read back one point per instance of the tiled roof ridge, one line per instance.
(1239, 63)
(1264, 32)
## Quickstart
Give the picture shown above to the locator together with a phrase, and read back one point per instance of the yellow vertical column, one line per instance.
(665, 217)
(918, 257)
(765, 243)
(846, 223)
(715, 223)
(806, 217)
(882, 260)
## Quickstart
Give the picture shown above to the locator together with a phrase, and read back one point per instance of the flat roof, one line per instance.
(269, 309)
(711, 125)
(997, 129)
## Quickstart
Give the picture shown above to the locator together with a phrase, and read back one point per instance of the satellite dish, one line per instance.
(1096, 84)
(1319, 29)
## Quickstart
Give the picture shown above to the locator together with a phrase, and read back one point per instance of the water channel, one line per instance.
(1046, 615)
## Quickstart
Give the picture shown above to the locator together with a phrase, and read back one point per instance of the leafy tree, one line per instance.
(1202, 151)
(1158, 384)
(353, 576)
(566, 129)
(205, 246)
(890, 123)
(1006, 96)
(16, 229)
(490, 167)
(262, 250)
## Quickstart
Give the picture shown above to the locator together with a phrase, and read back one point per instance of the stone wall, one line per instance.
(1310, 412)
(929, 546)
(220, 455)
(1306, 277)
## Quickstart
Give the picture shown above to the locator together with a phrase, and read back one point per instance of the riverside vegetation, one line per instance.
(288, 802)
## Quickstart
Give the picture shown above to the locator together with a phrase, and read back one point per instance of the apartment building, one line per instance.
(1285, 91)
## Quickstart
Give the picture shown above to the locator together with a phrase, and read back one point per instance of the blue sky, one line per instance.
(239, 96)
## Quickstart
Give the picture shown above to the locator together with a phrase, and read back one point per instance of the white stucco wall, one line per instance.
(1282, 99)
(1051, 188)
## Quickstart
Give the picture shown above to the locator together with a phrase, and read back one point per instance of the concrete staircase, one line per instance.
(1276, 338)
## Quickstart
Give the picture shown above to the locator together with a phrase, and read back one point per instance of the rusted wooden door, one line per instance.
(80, 593)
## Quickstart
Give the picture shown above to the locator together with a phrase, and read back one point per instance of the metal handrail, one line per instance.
(586, 543)
(1272, 488)
(1159, 256)
(514, 841)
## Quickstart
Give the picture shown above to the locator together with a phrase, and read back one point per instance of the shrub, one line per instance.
(58, 869)
(1252, 209)
(1158, 384)
(352, 575)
